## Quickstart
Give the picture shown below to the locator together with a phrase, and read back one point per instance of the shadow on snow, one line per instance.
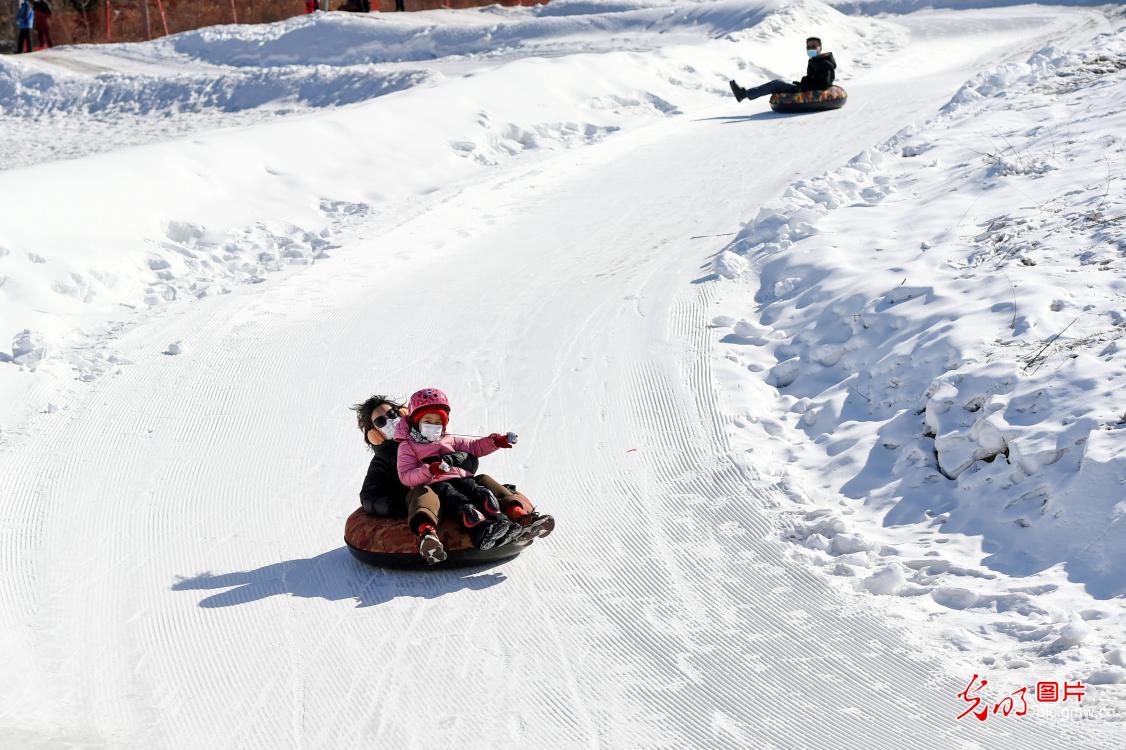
(769, 115)
(335, 576)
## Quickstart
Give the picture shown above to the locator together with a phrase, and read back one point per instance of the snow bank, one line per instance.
(343, 39)
(941, 323)
(37, 94)
(348, 39)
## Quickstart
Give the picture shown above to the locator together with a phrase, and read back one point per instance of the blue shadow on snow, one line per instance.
(768, 115)
(335, 576)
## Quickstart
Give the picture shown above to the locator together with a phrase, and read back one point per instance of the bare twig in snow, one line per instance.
(1046, 345)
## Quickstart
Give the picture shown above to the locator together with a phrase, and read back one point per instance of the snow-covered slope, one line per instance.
(96, 98)
(941, 321)
(172, 573)
(145, 228)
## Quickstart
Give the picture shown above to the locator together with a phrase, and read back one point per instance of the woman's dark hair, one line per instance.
(364, 409)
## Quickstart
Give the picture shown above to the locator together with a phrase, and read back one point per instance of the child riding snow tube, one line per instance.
(833, 97)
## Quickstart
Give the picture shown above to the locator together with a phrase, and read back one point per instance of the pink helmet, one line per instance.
(428, 400)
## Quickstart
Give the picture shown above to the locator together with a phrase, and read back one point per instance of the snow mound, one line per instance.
(347, 39)
(342, 39)
(115, 94)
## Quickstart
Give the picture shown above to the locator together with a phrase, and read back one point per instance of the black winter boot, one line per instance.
(739, 91)
(491, 506)
(485, 533)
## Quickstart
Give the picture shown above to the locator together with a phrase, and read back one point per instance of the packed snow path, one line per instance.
(175, 576)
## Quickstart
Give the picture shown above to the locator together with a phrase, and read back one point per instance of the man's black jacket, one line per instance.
(819, 74)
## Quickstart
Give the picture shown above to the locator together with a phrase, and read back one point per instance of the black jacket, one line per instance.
(819, 74)
(383, 494)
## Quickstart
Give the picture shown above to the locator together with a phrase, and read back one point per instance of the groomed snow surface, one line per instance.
(828, 407)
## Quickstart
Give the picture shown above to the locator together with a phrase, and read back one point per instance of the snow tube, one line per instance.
(833, 97)
(389, 543)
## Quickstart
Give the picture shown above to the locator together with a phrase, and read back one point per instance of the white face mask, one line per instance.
(812, 52)
(431, 432)
(388, 429)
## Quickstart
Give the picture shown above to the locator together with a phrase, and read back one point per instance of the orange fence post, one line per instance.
(163, 18)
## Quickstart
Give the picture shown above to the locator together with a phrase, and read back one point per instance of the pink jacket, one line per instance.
(413, 457)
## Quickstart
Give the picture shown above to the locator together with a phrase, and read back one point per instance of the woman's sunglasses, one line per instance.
(382, 421)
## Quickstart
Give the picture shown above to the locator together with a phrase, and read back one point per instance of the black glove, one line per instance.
(457, 458)
(462, 460)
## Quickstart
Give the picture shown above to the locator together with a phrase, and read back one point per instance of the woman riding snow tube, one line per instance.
(405, 528)
(833, 97)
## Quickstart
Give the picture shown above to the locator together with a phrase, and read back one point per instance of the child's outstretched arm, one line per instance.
(482, 446)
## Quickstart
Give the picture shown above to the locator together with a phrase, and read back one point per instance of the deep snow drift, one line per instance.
(873, 475)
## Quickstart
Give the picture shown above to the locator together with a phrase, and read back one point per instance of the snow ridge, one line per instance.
(115, 94)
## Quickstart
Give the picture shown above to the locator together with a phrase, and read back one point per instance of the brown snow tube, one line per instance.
(833, 97)
(389, 543)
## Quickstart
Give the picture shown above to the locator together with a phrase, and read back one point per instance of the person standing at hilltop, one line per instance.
(25, 20)
(42, 22)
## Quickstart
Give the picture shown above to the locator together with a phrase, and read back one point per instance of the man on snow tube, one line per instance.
(383, 495)
(819, 75)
